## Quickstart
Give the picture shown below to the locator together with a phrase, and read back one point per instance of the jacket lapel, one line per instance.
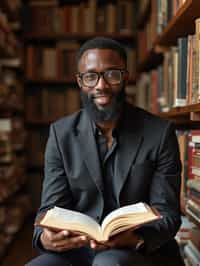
(131, 137)
(88, 149)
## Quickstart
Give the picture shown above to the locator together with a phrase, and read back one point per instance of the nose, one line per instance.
(102, 84)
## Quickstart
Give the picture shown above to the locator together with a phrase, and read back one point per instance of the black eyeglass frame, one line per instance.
(102, 73)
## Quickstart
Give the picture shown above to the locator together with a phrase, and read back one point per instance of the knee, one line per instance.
(48, 260)
(106, 261)
(30, 263)
(109, 259)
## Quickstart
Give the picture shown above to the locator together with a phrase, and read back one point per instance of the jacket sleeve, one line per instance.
(165, 192)
(55, 189)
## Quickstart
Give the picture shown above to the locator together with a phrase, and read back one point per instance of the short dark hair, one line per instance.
(102, 43)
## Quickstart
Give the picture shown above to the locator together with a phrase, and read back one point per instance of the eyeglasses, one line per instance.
(111, 76)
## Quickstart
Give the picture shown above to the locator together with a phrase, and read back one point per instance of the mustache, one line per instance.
(101, 93)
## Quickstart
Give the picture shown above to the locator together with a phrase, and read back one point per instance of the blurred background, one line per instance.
(38, 44)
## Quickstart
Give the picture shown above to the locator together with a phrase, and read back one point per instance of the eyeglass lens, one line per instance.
(111, 76)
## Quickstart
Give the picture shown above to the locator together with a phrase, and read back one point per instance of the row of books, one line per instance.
(161, 13)
(190, 154)
(46, 17)
(8, 42)
(165, 10)
(189, 143)
(175, 82)
(12, 216)
(59, 62)
(188, 238)
(51, 103)
(14, 204)
(11, 88)
(12, 138)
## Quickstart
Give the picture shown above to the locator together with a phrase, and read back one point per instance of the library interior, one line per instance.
(39, 40)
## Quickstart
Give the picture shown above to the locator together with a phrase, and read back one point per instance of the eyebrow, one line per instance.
(105, 69)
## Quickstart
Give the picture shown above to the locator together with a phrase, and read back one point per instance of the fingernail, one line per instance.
(65, 233)
(83, 238)
(92, 245)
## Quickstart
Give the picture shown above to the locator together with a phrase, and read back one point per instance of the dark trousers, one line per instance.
(111, 257)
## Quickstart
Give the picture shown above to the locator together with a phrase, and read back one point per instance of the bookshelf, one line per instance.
(14, 199)
(183, 22)
(191, 112)
(168, 62)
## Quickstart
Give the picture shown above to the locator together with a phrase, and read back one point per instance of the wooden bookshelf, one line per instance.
(40, 122)
(181, 24)
(166, 89)
(13, 176)
(189, 113)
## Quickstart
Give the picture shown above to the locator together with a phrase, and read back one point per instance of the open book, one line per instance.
(124, 218)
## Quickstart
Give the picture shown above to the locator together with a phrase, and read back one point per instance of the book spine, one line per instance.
(182, 72)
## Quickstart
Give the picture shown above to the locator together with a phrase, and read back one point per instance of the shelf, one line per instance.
(41, 122)
(51, 81)
(182, 24)
(77, 36)
(8, 109)
(13, 62)
(151, 60)
(189, 113)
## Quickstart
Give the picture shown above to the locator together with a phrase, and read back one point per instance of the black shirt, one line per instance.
(107, 157)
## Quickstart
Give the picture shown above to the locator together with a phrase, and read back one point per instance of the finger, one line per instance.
(70, 242)
(60, 235)
(97, 246)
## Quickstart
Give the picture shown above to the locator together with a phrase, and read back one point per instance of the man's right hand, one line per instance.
(61, 241)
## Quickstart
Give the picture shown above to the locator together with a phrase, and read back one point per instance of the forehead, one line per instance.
(100, 59)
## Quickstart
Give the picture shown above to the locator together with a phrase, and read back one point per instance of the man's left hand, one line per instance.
(127, 239)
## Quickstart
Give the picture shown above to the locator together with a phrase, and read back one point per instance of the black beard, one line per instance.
(107, 113)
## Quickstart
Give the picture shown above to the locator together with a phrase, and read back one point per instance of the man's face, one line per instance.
(104, 98)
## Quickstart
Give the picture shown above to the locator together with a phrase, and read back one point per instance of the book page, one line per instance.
(71, 220)
(129, 209)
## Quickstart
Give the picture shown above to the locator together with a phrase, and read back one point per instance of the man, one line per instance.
(108, 155)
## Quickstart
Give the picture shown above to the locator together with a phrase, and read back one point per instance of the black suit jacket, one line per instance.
(148, 169)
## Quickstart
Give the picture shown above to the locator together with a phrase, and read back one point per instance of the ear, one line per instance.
(78, 80)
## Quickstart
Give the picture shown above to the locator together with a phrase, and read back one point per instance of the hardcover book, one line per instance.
(127, 217)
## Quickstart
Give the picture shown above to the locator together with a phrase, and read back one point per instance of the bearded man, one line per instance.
(107, 155)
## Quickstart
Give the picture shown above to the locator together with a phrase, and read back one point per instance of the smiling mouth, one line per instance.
(103, 99)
